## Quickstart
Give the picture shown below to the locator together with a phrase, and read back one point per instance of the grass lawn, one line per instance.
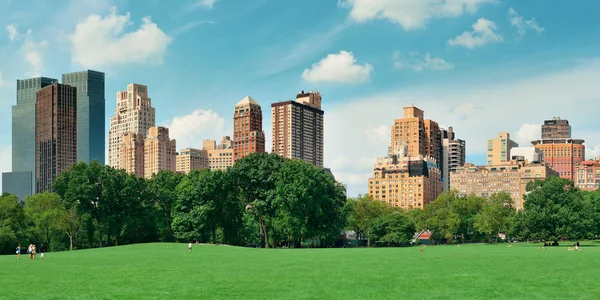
(159, 271)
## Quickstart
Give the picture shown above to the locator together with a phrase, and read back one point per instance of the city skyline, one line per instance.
(510, 84)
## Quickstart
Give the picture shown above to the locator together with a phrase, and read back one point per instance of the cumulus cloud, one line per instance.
(410, 14)
(5, 161)
(511, 105)
(521, 24)
(527, 133)
(338, 68)
(208, 4)
(12, 32)
(418, 64)
(102, 41)
(484, 32)
(592, 152)
(190, 130)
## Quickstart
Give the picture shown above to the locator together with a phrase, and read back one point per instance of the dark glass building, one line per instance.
(56, 133)
(91, 129)
(17, 183)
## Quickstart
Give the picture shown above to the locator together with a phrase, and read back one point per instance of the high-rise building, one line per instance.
(498, 149)
(160, 152)
(134, 113)
(510, 177)
(588, 175)
(22, 180)
(220, 157)
(298, 128)
(404, 181)
(192, 159)
(248, 135)
(131, 154)
(563, 155)
(90, 114)
(453, 155)
(56, 133)
(556, 129)
(423, 137)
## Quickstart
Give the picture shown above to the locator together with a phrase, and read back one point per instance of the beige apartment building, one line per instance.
(587, 175)
(510, 177)
(191, 159)
(134, 113)
(423, 137)
(220, 156)
(297, 128)
(131, 154)
(404, 181)
(159, 152)
(498, 149)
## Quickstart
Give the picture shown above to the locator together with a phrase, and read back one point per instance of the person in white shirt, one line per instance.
(190, 247)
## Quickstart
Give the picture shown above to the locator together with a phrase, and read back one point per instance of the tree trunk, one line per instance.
(264, 234)
(369, 239)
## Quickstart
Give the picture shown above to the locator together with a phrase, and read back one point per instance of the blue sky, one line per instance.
(481, 66)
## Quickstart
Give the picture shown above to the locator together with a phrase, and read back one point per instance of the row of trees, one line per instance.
(263, 200)
(268, 201)
(554, 210)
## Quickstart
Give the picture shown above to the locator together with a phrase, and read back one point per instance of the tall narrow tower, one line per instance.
(134, 113)
(248, 136)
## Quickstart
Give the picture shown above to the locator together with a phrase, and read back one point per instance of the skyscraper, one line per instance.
(498, 149)
(248, 136)
(131, 154)
(134, 113)
(90, 114)
(56, 133)
(298, 128)
(453, 155)
(21, 181)
(556, 128)
(160, 152)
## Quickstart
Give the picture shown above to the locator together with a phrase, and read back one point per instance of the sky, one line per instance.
(480, 66)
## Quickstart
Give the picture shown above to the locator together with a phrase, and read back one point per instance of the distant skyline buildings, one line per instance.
(248, 134)
(498, 149)
(133, 113)
(160, 152)
(454, 153)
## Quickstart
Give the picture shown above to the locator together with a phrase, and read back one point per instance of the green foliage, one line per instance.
(496, 215)
(392, 230)
(46, 211)
(12, 222)
(362, 211)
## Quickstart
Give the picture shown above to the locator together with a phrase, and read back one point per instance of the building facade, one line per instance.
(134, 113)
(160, 152)
(556, 128)
(191, 159)
(131, 154)
(529, 154)
(297, 128)
(91, 127)
(423, 137)
(23, 138)
(56, 133)
(453, 155)
(248, 136)
(588, 175)
(403, 181)
(498, 149)
(220, 156)
(510, 177)
(563, 155)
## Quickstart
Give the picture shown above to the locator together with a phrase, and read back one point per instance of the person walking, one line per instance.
(33, 251)
(29, 251)
(190, 247)
(19, 252)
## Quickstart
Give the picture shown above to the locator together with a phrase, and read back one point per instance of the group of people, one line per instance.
(31, 250)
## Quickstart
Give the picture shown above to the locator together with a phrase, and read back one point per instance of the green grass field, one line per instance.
(158, 271)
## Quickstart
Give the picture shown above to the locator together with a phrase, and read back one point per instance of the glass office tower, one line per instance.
(90, 114)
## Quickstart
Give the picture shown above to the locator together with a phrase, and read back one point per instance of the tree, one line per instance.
(70, 223)
(495, 215)
(164, 195)
(442, 220)
(45, 210)
(362, 212)
(255, 178)
(12, 221)
(556, 209)
(393, 229)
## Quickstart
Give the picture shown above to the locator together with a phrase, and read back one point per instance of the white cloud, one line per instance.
(417, 64)
(476, 110)
(101, 41)
(338, 68)
(12, 32)
(592, 152)
(521, 24)
(527, 133)
(190, 130)
(410, 14)
(484, 32)
(5, 161)
(189, 26)
(208, 4)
